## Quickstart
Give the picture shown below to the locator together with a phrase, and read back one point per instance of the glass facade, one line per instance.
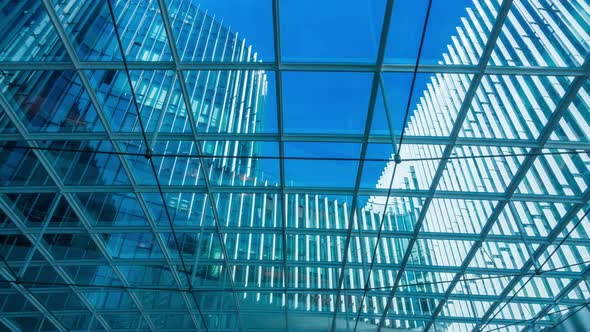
(157, 173)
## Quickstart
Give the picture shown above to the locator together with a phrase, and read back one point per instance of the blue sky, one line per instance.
(342, 31)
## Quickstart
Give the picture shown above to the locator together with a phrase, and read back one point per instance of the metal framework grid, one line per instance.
(488, 321)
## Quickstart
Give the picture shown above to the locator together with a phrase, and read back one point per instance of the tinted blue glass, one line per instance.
(318, 102)
(28, 33)
(330, 31)
(392, 98)
(407, 23)
(308, 164)
(20, 166)
(50, 109)
(86, 163)
(239, 101)
(259, 220)
(223, 31)
(92, 32)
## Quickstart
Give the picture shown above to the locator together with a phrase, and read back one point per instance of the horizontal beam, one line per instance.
(246, 230)
(303, 291)
(272, 66)
(156, 262)
(253, 309)
(320, 138)
(323, 191)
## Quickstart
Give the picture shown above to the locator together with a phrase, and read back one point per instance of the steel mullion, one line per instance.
(553, 122)
(166, 254)
(561, 225)
(26, 293)
(20, 223)
(550, 302)
(448, 319)
(291, 231)
(561, 295)
(98, 108)
(567, 148)
(520, 174)
(47, 166)
(190, 115)
(327, 138)
(492, 272)
(10, 325)
(365, 142)
(308, 66)
(159, 238)
(43, 228)
(388, 114)
(280, 128)
(100, 112)
(458, 124)
(417, 193)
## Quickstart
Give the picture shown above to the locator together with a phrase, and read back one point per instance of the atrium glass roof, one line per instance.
(184, 165)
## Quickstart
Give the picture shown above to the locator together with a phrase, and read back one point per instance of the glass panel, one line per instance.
(47, 108)
(575, 126)
(417, 169)
(432, 252)
(28, 33)
(72, 247)
(376, 160)
(557, 40)
(242, 217)
(20, 166)
(438, 106)
(392, 98)
(96, 163)
(501, 255)
(93, 34)
(467, 216)
(31, 322)
(134, 154)
(331, 31)
(556, 174)
(201, 32)
(237, 101)
(242, 163)
(535, 218)
(111, 209)
(249, 210)
(309, 95)
(31, 208)
(308, 164)
(15, 247)
(471, 171)
(449, 22)
(503, 109)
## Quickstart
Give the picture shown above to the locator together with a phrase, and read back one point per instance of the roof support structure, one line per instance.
(353, 219)
(457, 125)
(524, 168)
(191, 117)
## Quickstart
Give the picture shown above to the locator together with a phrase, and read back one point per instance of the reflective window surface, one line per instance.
(281, 165)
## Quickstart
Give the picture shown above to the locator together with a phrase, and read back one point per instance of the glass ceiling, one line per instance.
(184, 165)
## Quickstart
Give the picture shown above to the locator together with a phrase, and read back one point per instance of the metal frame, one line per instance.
(65, 192)
(286, 66)
(457, 125)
